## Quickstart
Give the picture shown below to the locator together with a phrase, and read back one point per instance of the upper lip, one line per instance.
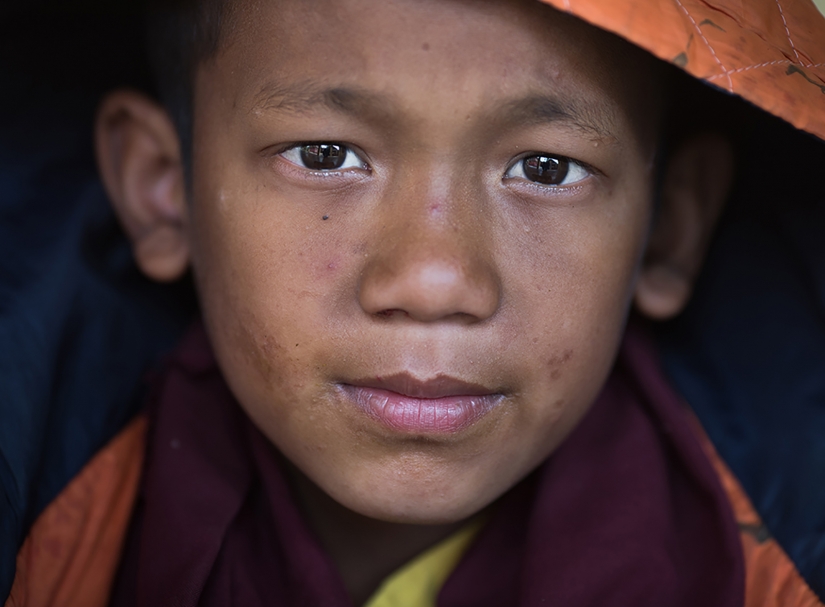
(437, 387)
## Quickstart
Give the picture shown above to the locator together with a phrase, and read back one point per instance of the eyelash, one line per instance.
(569, 167)
(326, 149)
(542, 162)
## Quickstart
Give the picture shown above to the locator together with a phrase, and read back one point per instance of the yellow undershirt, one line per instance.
(418, 583)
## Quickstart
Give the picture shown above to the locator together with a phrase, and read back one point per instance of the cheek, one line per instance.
(571, 277)
(571, 272)
(270, 280)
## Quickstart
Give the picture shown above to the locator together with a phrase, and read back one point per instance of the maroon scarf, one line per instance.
(628, 511)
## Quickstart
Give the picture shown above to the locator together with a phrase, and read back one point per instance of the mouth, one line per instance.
(443, 405)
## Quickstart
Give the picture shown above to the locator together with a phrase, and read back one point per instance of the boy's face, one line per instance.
(416, 227)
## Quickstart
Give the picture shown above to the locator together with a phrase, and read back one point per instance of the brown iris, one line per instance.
(549, 170)
(323, 156)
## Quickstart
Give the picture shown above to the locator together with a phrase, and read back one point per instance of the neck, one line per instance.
(365, 550)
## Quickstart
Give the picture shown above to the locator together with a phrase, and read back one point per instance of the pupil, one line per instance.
(323, 156)
(546, 169)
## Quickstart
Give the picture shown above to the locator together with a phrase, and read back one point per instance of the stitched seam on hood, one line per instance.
(707, 43)
(787, 31)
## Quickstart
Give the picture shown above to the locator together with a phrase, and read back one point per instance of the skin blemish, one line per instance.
(425, 46)
(557, 362)
(332, 263)
(260, 349)
(269, 346)
(325, 217)
(560, 359)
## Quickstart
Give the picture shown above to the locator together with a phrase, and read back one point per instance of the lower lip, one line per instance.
(444, 415)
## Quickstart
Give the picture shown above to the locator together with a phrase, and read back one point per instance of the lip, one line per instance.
(443, 405)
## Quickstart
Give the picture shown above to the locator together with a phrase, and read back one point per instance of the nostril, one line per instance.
(391, 313)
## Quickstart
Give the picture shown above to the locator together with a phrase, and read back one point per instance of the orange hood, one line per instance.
(770, 52)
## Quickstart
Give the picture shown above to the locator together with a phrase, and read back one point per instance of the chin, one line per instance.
(424, 513)
(414, 503)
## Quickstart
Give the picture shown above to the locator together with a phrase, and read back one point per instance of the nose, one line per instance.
(430, 266)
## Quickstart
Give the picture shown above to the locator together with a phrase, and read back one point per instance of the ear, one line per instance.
(696, 185)
(138, 155)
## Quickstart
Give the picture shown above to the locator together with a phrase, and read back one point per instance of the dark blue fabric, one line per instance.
(749, 353)
(79, 327)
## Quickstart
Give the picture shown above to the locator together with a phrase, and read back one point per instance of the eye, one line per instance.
(324, 157)
(547, 170)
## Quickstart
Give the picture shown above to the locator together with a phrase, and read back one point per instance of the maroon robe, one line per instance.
(628, 511)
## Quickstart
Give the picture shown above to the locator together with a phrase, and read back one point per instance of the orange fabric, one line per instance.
(72, 552)
(771, 579)
(771, 52)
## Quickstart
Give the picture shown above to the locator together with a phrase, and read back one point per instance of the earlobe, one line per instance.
(696, 185)
(139, 159)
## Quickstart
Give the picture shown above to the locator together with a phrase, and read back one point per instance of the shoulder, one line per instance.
(72, 552)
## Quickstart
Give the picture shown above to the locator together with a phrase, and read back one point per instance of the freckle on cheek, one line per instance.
(557, 361)
(259, 350)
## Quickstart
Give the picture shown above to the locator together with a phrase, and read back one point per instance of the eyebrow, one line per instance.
(306, 97)
(596, 120)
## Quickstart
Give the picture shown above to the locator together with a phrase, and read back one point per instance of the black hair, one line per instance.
(181, 35)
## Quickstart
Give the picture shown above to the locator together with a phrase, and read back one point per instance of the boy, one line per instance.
(417, 230)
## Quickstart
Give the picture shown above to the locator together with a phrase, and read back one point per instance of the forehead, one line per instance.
(476, 57)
